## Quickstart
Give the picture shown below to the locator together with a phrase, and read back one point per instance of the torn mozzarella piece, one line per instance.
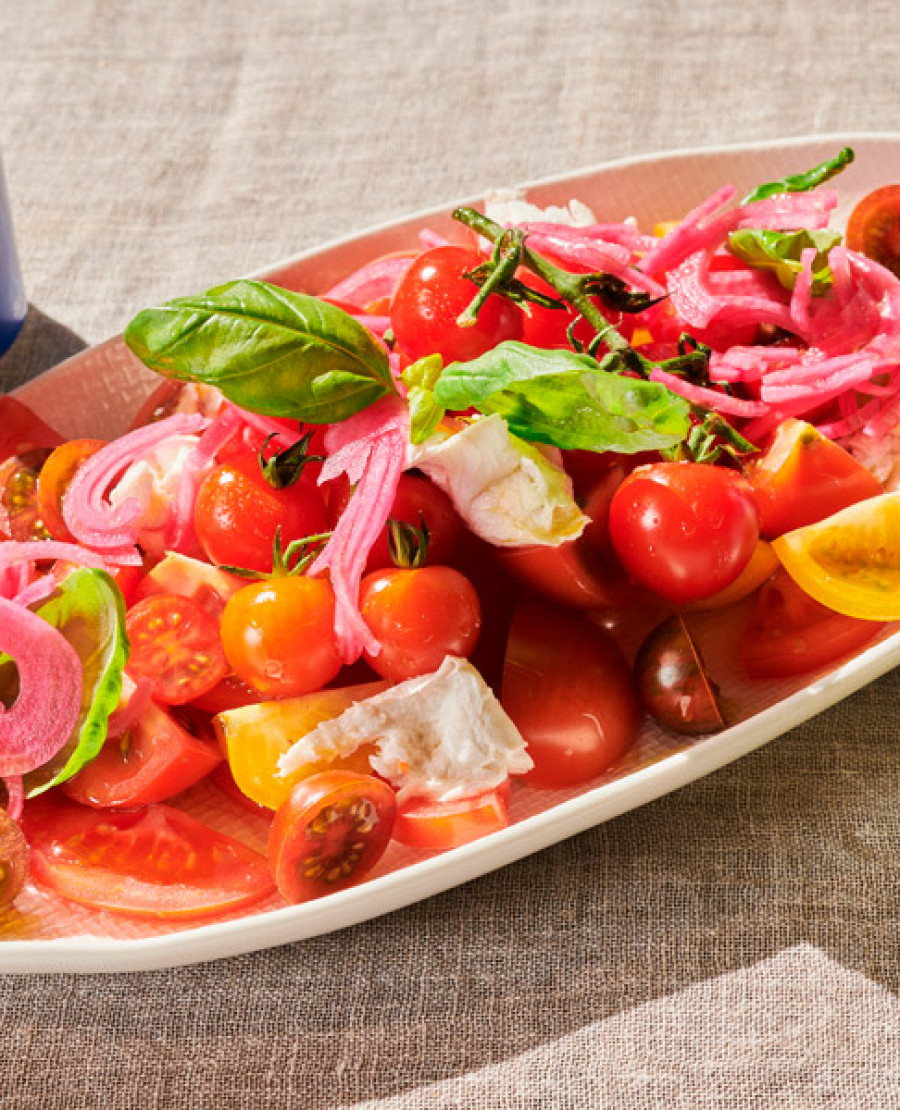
(441, 736)
(509, 492)
(153, 482)
(509, 207)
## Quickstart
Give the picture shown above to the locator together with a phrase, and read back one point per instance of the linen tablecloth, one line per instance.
(732, 945)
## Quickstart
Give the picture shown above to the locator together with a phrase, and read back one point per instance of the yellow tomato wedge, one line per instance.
(661, 229)
(850, 562)
(256, 736)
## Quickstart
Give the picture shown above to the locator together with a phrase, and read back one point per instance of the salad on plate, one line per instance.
(372, 562)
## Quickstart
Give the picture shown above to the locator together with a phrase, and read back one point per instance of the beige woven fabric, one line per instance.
(155, 149)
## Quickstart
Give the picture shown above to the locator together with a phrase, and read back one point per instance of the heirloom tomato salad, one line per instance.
(374, 560)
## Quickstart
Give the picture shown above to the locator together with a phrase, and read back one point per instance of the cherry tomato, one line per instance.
(791, 634)
(544, 327)
(430, 297)
(763, 564)
(237, 514)
(417, 497)
(176, 644)
(231, 693)
(13, 859)
(570, 693)
(418, 615)
(685, 530)
(279, 635)
(874, 227)
(803, 478)
(54, 478)
(20, 515)
(437, 826)
(330, 832)
(673, 682)
(154, 862)
(158, 757)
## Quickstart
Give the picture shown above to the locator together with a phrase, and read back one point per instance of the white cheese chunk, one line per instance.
(441, 736)
(508, 207)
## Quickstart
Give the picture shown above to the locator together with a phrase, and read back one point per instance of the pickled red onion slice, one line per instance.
(370, 283)
(711, 398)
(45, 712)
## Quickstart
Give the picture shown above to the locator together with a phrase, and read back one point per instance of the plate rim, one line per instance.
(417, 881)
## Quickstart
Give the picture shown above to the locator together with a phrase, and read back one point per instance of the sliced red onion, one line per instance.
(46, 710)
(136, 696)
(370, 283)
(711, 398)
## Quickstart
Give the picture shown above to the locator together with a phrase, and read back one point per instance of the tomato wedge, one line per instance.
(154, 862)
(437, 826)
(13, 859)
(330, 832)
(874, 227)
(175, 643)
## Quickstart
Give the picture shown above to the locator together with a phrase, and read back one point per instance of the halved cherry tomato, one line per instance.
(330, 832)
(433, 293)
(673, 682)
(54, 479)
(159, 756)
(437, 826)
(570, 693)
(237, 513)
(13, 859)
(154, 862)
(685, 530)
(874, 227)
(803, 478)
(418, 615)
(176, 644)
(279, 635)
(792, 634)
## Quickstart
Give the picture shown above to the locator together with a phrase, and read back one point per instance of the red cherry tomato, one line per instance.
(433, 293)
(154, 862)
(419, 616)
(416, 497)
(175, 643)
(161, 755)
(874, 227)
(55, 476)
(570, 693)
(237, 514)
(331, 831)
(279, 635)
(685, 530)
(437, 826)
(673, 682)
(791, 634)
(803, 478)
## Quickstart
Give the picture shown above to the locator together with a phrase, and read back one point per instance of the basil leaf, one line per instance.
(780, 251)
(88, 610)
(803, 182)
(566, 400)
(269, 350)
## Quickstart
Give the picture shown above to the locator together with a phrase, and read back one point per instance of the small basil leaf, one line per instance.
(269, 350)
(425, 411)
(803, 182)
(464, 384)
(780, 252)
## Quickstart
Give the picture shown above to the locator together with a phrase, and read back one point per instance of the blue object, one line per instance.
(13, 304)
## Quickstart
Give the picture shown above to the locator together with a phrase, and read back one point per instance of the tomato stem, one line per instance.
(505, 260)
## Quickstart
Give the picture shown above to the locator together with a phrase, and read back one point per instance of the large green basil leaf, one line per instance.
(269, 350)
(780, 251)
(88, 610)
(803, 182)
(565, 399)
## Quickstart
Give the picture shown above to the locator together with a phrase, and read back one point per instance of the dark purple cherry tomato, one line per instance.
(673, 683)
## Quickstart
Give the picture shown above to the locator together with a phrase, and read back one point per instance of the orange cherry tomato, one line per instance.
(54, 479)
(330, 832)
(874, 227)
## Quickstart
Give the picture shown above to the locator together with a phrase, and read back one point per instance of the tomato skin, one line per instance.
(569, 691)
(430, 297)
(175, 643)
(685, 530)
(330, 832)
(792, 634)
(152, 862)
(874, 227)
(803, 478)
(438, 826)
(419, 616)
(156, 759)
(279, 635)
(55, 476)
(237, 514)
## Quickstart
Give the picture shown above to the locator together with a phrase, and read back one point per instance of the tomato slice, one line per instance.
(791, 634)
(803, 478)
(154, 862)
(437, 826)
(54, 479)
(874, 227)
(154, 760)
(13, 859)
(177, 644)
(330, 832)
